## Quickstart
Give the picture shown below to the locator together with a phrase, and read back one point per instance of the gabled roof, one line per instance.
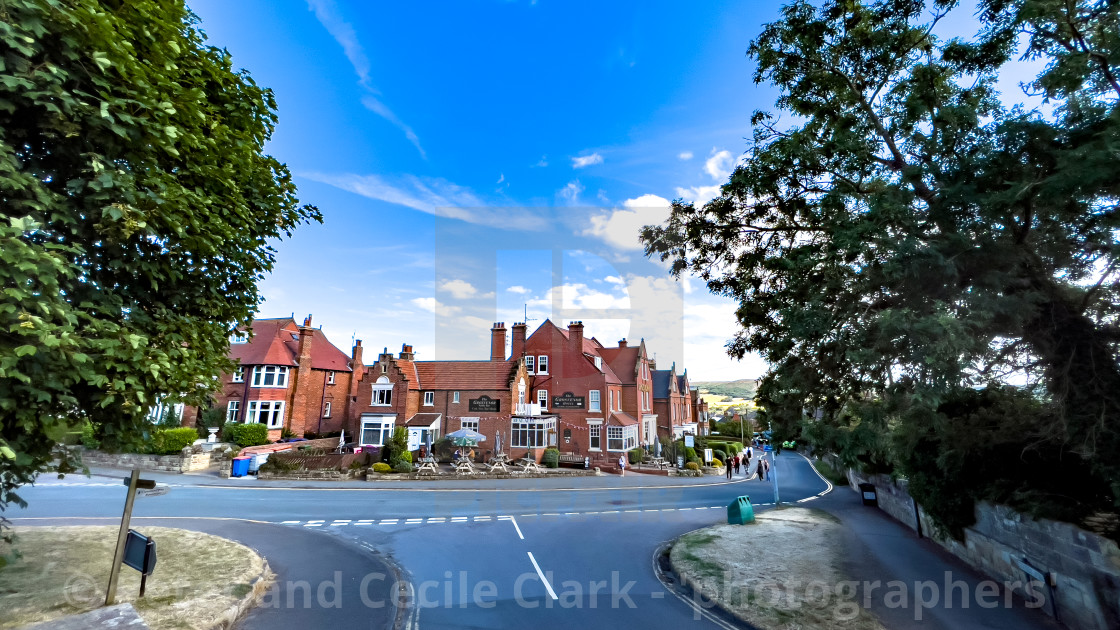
(619, 418)
(410, 372)
(624, 363)
(456, 375)
(591, 349)
(276, 342)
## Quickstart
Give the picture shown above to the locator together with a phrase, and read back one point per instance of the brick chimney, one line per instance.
(296, 415)
(621, 343)
(406, 352)
(517, 347)
(575, 334)
(358, 367)
(498, 342)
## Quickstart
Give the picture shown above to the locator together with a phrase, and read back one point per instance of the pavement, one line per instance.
(515, 553)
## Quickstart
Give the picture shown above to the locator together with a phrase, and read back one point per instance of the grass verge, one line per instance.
(781, 572)
(64, 571)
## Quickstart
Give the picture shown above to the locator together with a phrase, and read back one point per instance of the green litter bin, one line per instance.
(740, 512)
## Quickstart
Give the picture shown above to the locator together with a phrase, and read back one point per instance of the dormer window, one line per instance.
(237, 337)
(598, 363)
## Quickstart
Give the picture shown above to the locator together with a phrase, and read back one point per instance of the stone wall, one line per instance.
(1084, 567)
(164, 463)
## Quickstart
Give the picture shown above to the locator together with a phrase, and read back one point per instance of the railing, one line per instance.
(527, 409)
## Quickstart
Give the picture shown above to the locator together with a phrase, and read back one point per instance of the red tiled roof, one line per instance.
(624, 363)
(276, 342)
(619, 418)
(454, 375)
(423, 420)
(409, 369)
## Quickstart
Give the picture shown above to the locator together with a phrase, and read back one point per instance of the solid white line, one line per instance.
(548, 586)
(291, 522)
(313, 525)
(551, 514)
(519, 534)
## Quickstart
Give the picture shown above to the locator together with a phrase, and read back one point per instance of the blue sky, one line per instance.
(474, 160)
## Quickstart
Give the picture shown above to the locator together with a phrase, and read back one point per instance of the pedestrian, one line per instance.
(750, 453)
(765, 468)
(622, 465)
(736, 461)
(727, 466)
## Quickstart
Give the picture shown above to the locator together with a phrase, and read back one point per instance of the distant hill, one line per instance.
(742, 388)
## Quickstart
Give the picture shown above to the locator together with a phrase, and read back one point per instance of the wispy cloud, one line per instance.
(571, 191)
(719, 164)
(432, 195)
(326, 11)
(518, 289)
(584, 161)
(685, 155)
(459, 289)
(620, 227)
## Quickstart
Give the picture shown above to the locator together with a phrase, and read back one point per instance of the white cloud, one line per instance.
(685, 155)
(719, 164)
(572, 191)
(620, 228)
(518, 289)
(587, 160)
(541, 163)
(501, 178)
(433, 305)
(326, 11)
(432, 195)
(459, 289)
(381, 109)
(580, 296)
(698, 194)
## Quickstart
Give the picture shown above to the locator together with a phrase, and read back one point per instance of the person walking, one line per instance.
(622, 465)
(765, 469)
(736, 460)
(727, 465)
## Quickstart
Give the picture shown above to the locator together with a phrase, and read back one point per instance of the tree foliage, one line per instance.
(138, 208)
(904, 236)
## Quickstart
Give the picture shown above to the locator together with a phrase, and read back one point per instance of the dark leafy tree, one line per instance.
(137, 208)
(902, 232)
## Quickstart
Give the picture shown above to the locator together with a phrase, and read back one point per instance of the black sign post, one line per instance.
(568, 400)
(140, 554)
(133, 482)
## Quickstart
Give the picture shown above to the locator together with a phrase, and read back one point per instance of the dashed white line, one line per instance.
(481, 518)
(459, 519)
(291, 522)
(437, 519)
(389, 521)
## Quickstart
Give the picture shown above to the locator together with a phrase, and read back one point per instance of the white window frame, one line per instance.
(429, 399)
(542, 364)
(330, 377)
(239, 374)
(530, 364)
(594, 435)
(271, 410)
(455, 397)
(525, 433)
(594, 402)
(238, 337)
(469, 423)
(623, 438)
(383, 425)
(382, 393)
(277, 373)
(542, 399)
(233, 411)
(327, 409)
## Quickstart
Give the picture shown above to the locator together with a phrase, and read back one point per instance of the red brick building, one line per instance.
(633, 367)
(289, 377)
(581, 397)
(699, 412)
(673, 403)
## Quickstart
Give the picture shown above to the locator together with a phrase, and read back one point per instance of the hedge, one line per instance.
(382, 467)
(551, 458)
(251, 434)
(171, 441)
(637, 455)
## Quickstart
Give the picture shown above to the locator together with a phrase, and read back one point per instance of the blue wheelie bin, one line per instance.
(240, 467)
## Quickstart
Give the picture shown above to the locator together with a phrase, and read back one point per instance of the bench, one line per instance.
(574, 459)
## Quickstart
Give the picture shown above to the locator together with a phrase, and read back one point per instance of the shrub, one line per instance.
(382, 467)
(720, 455)
(692, 466)
(171, 441)
(286, 433)
(212, 417)
(252, 434)
(717, 463)
(402, 467)
(311, 435)
(89, 439)
(551, 458)
(690, 454)
(637, 455)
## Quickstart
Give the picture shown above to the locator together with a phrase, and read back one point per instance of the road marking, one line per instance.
(340, 522)
(519, 534)
(312, 524)
(481, 518)
(437, 519)
(389, 521)
(291, 522)
(657, 595)
(544, 580)
(413, 521)
(459, 519)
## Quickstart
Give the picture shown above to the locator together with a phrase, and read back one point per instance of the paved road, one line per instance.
(573, 552)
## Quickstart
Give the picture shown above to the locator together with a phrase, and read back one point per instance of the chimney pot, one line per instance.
(498, 342)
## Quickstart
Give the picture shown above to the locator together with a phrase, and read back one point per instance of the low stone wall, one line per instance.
(326, 474)
(1085, 567)
(164, 463)
(555, 472)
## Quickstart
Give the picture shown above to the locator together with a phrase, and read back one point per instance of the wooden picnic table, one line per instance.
(659, 462)
(463, 466)
(529, 465)
(499, 462)
(428, 464)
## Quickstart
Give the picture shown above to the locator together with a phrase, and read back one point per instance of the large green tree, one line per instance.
(896, 226)
(137, 208)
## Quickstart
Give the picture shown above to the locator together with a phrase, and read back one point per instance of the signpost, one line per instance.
(133, 482)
